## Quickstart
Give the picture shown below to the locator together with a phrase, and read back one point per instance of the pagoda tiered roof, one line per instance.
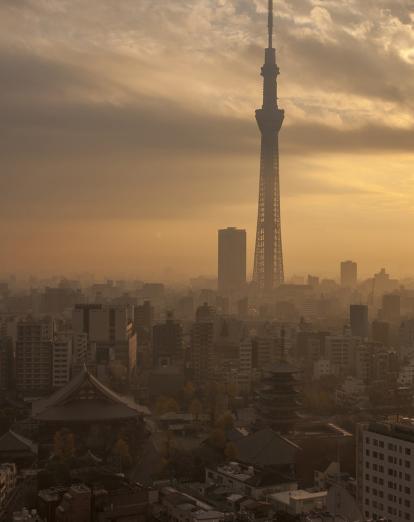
(86, 399)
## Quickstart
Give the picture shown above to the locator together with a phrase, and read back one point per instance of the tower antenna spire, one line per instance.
(268, 256)
(270, 24)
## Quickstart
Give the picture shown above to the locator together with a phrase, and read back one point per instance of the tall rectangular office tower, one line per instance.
(231, 260)
(349, 274)
(358, 315)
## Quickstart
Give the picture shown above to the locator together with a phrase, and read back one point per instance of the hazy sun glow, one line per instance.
(128, 133)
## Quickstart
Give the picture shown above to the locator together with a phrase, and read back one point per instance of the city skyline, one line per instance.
(85, 109)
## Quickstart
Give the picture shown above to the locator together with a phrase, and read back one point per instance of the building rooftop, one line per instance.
(299, 495)
(85, 399)
(14, 443)
(402, 430)
(252, 476)
(265, 448)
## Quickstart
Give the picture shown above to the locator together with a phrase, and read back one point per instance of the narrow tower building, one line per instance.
(268, 271)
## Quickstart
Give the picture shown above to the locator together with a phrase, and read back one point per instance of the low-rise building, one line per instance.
(26, 516)
(253, 482)
(299, 501)
(182, 507)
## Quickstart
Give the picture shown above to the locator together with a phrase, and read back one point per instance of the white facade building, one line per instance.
(61, 360)
(386, 471)
(406, 375)
(340, 351)
(321, 368)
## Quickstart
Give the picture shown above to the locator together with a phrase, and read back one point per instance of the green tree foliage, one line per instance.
(225, 422)
(230, 451)
(121, 450)
(64, 444)
(218, 439)
(166, 405)
(188, 391)
(196, 409)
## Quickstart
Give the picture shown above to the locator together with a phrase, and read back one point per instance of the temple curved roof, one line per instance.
(85, 399)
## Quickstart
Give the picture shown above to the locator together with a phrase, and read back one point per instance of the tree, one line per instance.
(166, 405)
(64, 444)
(188, 391)
(225, 422)
(196, 409)
(168, 444)
(121, 450)
(218, 439)
(230, 451)
(118, 371)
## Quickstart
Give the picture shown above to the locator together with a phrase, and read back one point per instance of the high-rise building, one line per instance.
(381, 332)
(83, 353)
(202, 344)
(268, 258)
(231, 260)
(168, 342)
(313, 281)
(406, 338)
(358, 315)
(391, 307)
(349, 274)
(6, 363)
(61, 359)
(385, 464)
(340, 352)
(106, 327)
(144, 317)
(34, 355)
(101, 323)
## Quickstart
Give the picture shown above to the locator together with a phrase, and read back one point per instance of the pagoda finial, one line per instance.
(270, 24)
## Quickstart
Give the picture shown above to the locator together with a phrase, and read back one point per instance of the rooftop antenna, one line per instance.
(270, 24)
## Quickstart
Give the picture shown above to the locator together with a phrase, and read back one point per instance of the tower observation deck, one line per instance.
(268, 271)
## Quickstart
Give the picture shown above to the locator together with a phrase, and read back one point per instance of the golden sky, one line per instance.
(128, 134)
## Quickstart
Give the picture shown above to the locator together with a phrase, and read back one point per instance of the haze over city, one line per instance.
(206, 261)
(128, 134)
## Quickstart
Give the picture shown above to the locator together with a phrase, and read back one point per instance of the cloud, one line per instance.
(145, 110)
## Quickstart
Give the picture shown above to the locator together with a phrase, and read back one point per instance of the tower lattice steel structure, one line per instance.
(268, 258)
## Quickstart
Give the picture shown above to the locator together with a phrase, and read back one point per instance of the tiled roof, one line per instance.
(14, 443)
(103, 404)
